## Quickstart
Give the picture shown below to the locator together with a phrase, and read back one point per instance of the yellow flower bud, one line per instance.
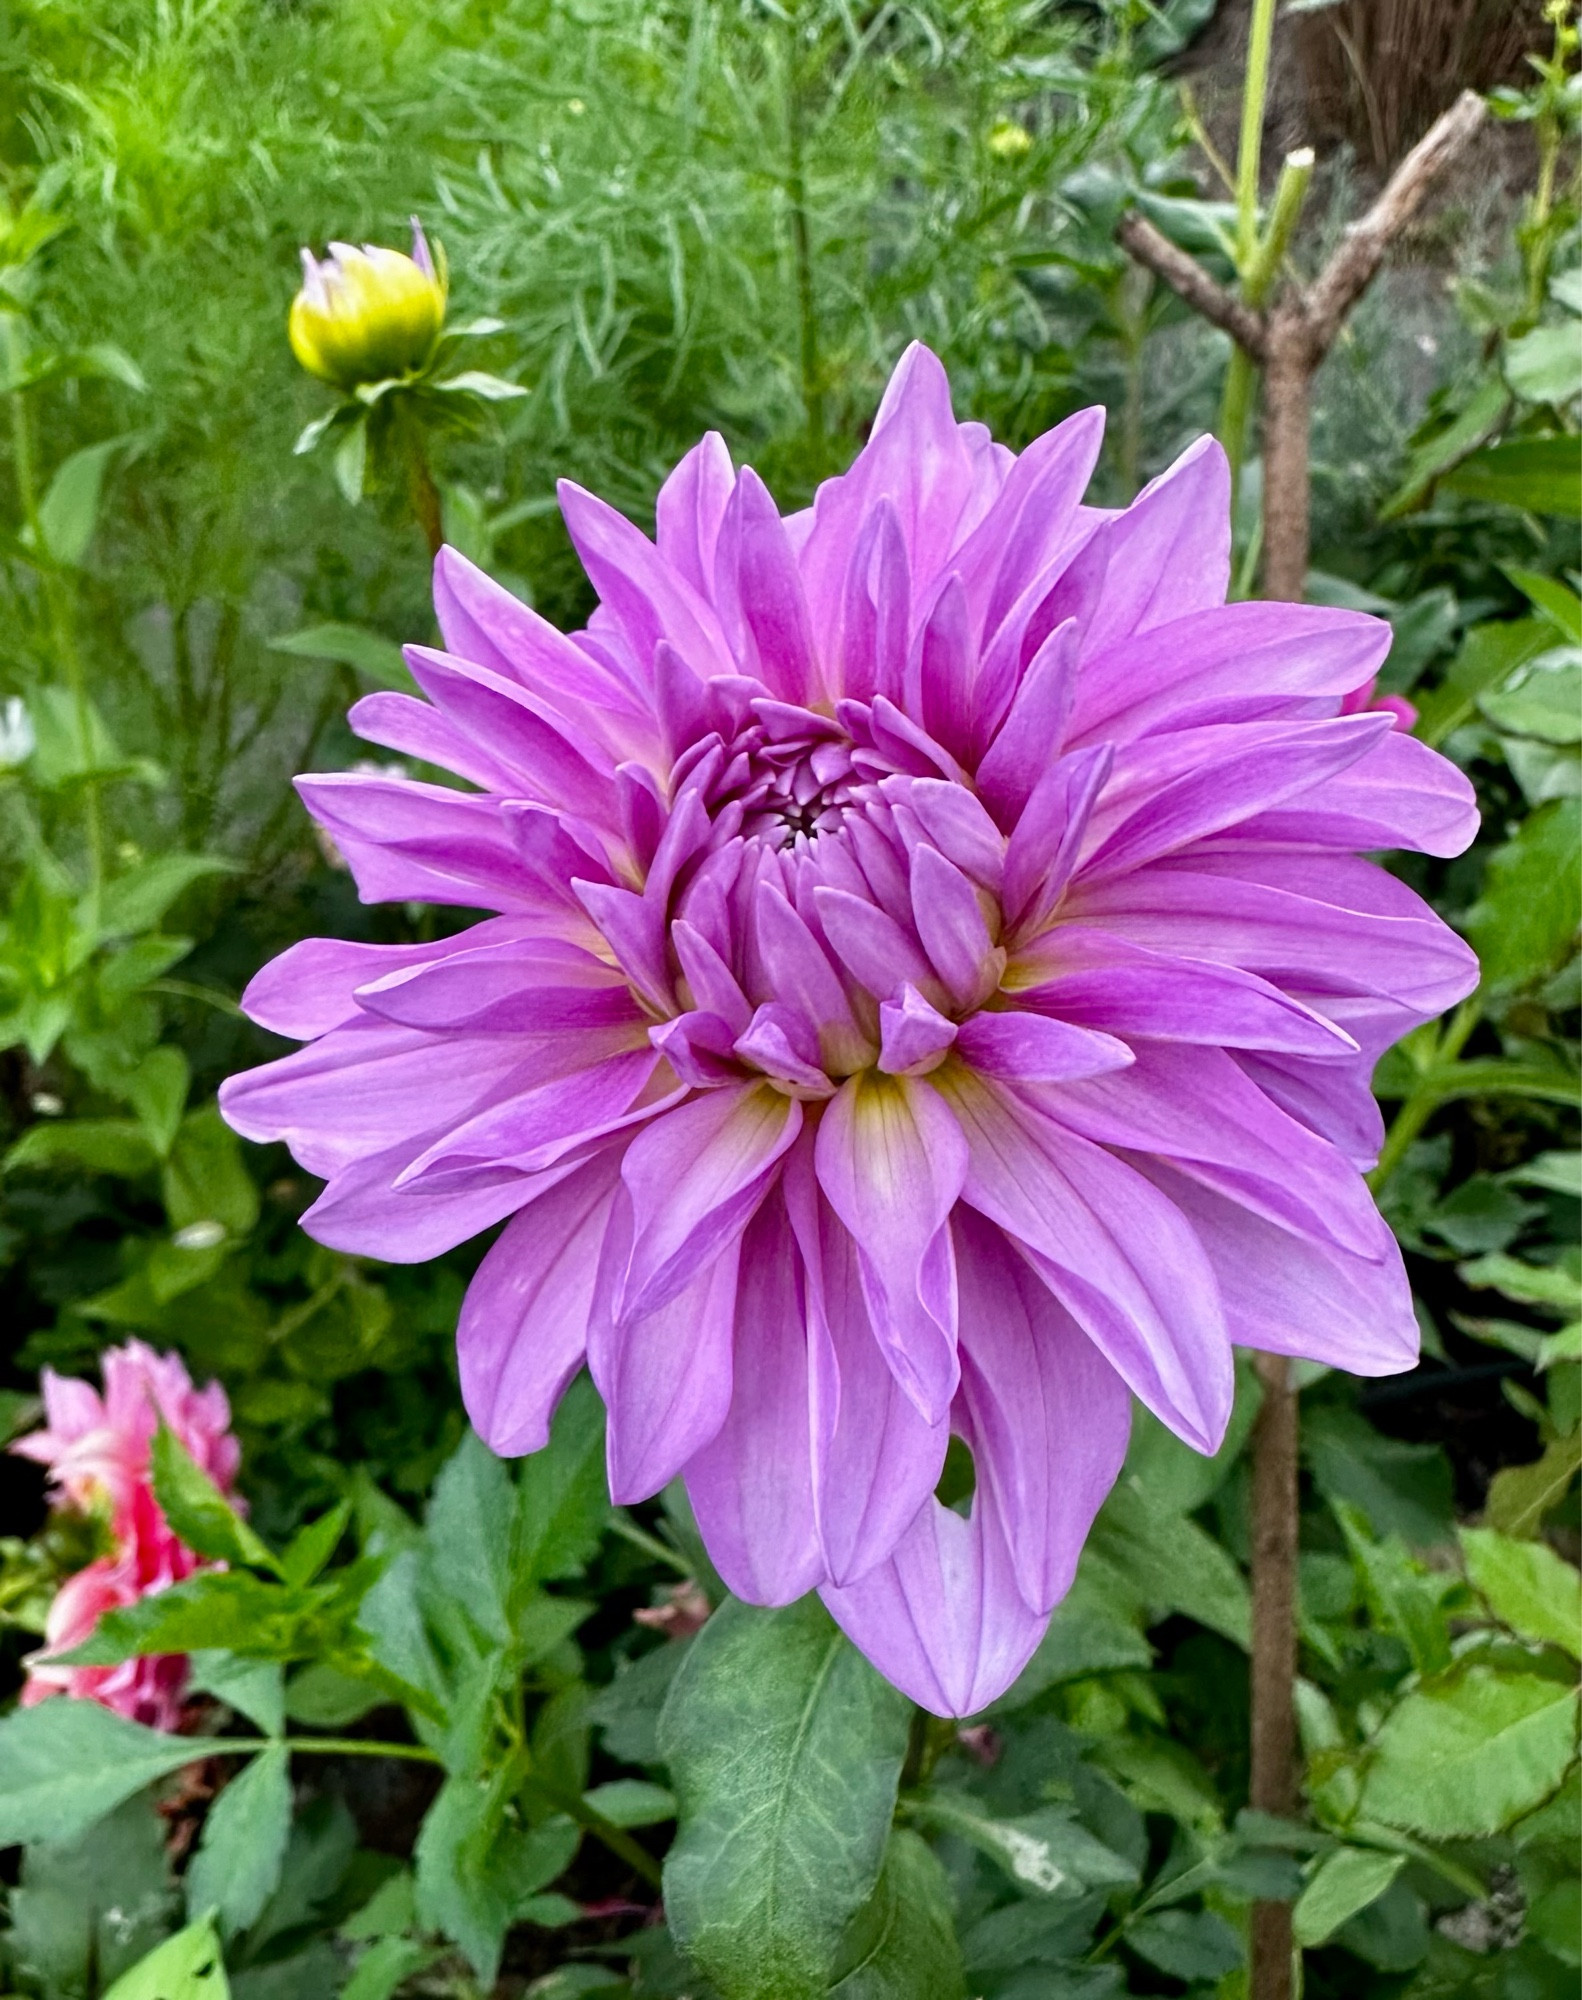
(365, 315)
(1008, 140)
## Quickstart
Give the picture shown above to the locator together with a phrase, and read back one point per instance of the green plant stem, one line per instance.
(614, 1837)
(622, 1524)
(345, 1746)
(802, 245)
(422, 493)
(1249, 154)
(1424, 1099)
(1259, 272)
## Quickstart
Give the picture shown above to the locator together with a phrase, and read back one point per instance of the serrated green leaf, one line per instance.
(229, 1610)
(902, 1944)
(785, 1748)
(1172, 1562)
(254, 1688)
(1524, 925)
(1528, 1587)
(1342, 1884)
(64, 1764)
(562, 1498)
(469, 1536)
(188, 1966)
(198, 1511)
(1468, 1756)
(237, 1866)
(311, 1548)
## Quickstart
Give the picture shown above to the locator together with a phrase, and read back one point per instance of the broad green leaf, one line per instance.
(93, 1906)
(1560, 1172)
(1478, 421)
(1542, 699)
(1550, 597)
(1096, 1629)
(469, 1536)
(370, 653)
(1535, 1284)
(387, 1964)
(205, 1180)
(90, 1145)
(1405, 1598)
(1172, 1562)
(228, 1609)
(902, 1944)
(1539, 474)
(74, 742)
(1046, 1853)
(65, 1763)
(325, 1697)
(1403, 1489)
(1488, 656)
(1521, 1495)
(136, 901)
(476, 1868)
(784, 1747)
(1524, 925)
(562, 1499)
(198, 1511)
(1186, 1944)
(1529, 1587)
(1342, 1884)
(157, 1090)
(1545, 366)
(632, 1802)
(237, 1866)
(1467, 1757)
(69, 511)
(254, 1688)
(351, 461)
(188, 1966)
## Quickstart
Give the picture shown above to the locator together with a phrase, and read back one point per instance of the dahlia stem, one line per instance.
(1274, 1552)
(802, 241)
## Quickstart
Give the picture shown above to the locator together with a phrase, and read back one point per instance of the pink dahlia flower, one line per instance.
(933, 988)
(97, 1450)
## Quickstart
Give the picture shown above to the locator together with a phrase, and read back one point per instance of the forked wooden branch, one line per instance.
(1186, 276)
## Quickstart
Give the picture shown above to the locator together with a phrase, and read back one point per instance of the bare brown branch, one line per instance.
(1361, 250)
(1187, 277)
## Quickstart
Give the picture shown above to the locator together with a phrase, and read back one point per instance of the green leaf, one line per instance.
(188, 1966)
(475, 1870)
(1534, 1284)
(136, 900)
(1342, 1884)
(312, 1547)
(1542, 699)
(1521, 1495)
(325, 1697)
(901, 1944)
(351, 461)
(65, 1763)
(1560, 1172)
(229, 1610)
(477, 382)
(87, 1145)
(632, 1802)
(562, 1498)
(1479, 420)
(237, 1866)
(69, 511)
(92, 1906)
(1404, 1597)
(1172, 1562)
(1545, 366)
(1536, 473)
(198, 1511)
(1403, 1489)
(205, 1179)
(1562, 607)
(1529, 1588)
(370, 653)
(1524, 925)
(254, 1688)
(1468, 1756)
(1046, 1853)
(785, 1748)
(469, 1536)
(1096, 1629)
(1186, 1944)
(157, 1090)
(1488, 656)
(388, 1963)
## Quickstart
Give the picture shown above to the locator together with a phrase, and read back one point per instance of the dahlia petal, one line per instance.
(414, 728)
(942, 1618)
(1168, 554)
(795, 968)
(524, 1322)
(1341, 1109)
(950, 925)
(1121, 1259)
(311, 987)
(1402, 795)
(1097, 979)
(1197, 1109)
(891, 1161)
(648, 599)
(690, 507)
(1031, 1048)
(408, 842)
(760, 591)
(1042, 851)
(1049, 1416)
(915, 456)
(666, 1375)
(1034, 513)
(751, 1485)
(954, 822)
(695, 1176)
(874, 608)
(780, 1042)
(873, 947)
(1285, 1295)
(713, 984)
(368, 1086)
(1235, 662)
(1165, 792)
(633, 926)
(364, 1213)
(525, 986)
(1033, 733)
(913, 1035)
(939, 672)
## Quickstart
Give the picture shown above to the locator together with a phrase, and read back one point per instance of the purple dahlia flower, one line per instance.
(933, 989)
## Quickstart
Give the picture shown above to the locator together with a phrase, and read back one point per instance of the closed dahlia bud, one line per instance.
(366, 315)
